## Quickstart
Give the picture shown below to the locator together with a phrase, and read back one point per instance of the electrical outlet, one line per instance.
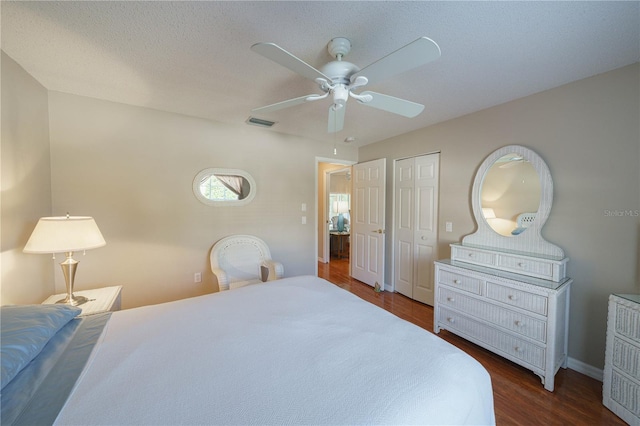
(448, 226)
(303, 207)
(304, 220)
(197, 277)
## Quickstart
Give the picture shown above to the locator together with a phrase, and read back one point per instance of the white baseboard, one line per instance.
(586, 369)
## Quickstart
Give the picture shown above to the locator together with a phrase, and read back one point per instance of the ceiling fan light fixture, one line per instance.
(260, 122)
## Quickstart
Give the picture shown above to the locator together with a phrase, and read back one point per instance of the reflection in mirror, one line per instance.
(510, 194)
(224, 187)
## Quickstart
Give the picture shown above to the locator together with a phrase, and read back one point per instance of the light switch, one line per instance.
(448, 226)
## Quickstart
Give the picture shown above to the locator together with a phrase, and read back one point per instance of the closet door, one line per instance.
(416, 227)
(404, 225)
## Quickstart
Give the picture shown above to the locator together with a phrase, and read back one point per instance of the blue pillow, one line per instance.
(26, 329)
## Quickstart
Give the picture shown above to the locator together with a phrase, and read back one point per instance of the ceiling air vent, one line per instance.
(260, 122)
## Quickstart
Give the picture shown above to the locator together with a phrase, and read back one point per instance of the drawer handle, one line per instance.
(512, 297)
(451, 320)
(450, 299)
(518, 349)
(470, 254)
(518, 323)
(520, 264)
(456, 281)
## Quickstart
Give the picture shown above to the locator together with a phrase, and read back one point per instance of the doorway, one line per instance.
(366, 237)
(338, 214)
(325, 168)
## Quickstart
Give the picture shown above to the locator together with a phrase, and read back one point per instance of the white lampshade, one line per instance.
(64, 234)
(488, 213)
(341, 206)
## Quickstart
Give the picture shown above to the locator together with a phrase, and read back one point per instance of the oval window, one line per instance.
(224, 187)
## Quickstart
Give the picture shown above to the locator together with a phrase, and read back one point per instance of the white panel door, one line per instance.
(367, 222)
(416, 226)
(426, 231)
(404, 219)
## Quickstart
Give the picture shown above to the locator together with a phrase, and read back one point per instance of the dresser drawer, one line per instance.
(526, 266)
(471, 255)
(628, 322)
(626, 358)
(510, 320)
(519, 298)
(626, 393)
(493, 338)
(460, 281)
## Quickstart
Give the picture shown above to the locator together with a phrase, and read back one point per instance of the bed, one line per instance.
(294, 351)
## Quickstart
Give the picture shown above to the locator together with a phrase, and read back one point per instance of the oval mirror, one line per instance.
(510, 194)
(224, 187)
(511, 200)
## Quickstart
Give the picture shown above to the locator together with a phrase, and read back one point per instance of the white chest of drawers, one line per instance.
(621, 384)
(522, 318)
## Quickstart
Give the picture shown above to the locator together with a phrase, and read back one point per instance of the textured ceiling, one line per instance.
(194, 58)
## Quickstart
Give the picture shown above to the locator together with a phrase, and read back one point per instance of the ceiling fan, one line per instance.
(340, 78)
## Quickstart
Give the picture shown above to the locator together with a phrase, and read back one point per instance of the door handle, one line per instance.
(378, 231)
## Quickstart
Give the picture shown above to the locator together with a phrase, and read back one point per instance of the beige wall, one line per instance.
(588, 134)
(26, 186)
(132, 170)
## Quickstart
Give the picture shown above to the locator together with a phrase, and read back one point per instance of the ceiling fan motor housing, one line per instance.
(340, 72)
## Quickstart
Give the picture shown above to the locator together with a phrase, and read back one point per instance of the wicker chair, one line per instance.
(240, 260)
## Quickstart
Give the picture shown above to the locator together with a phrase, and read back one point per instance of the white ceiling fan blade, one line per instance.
(336, 118)
(414, 54)
(278, 55)
(283, 104)
(391, 104)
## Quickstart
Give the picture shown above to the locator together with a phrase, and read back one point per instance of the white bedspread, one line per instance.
(290, 352)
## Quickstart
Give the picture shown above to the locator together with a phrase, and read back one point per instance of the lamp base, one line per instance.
(73, 300)
(69, 270)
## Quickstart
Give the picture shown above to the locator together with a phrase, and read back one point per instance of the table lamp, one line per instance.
(65, 234)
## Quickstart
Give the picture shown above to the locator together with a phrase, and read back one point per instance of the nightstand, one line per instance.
(100, 300)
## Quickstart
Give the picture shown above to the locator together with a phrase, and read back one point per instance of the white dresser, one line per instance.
(505, 287)
(621, 385)
(522, 318)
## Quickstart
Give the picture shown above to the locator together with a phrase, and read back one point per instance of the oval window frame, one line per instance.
(202, 174)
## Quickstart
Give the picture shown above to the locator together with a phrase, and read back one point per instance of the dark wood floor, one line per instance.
(519, 397)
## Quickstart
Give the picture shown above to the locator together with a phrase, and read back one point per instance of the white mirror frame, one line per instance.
(216, 171)
(529, 242)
